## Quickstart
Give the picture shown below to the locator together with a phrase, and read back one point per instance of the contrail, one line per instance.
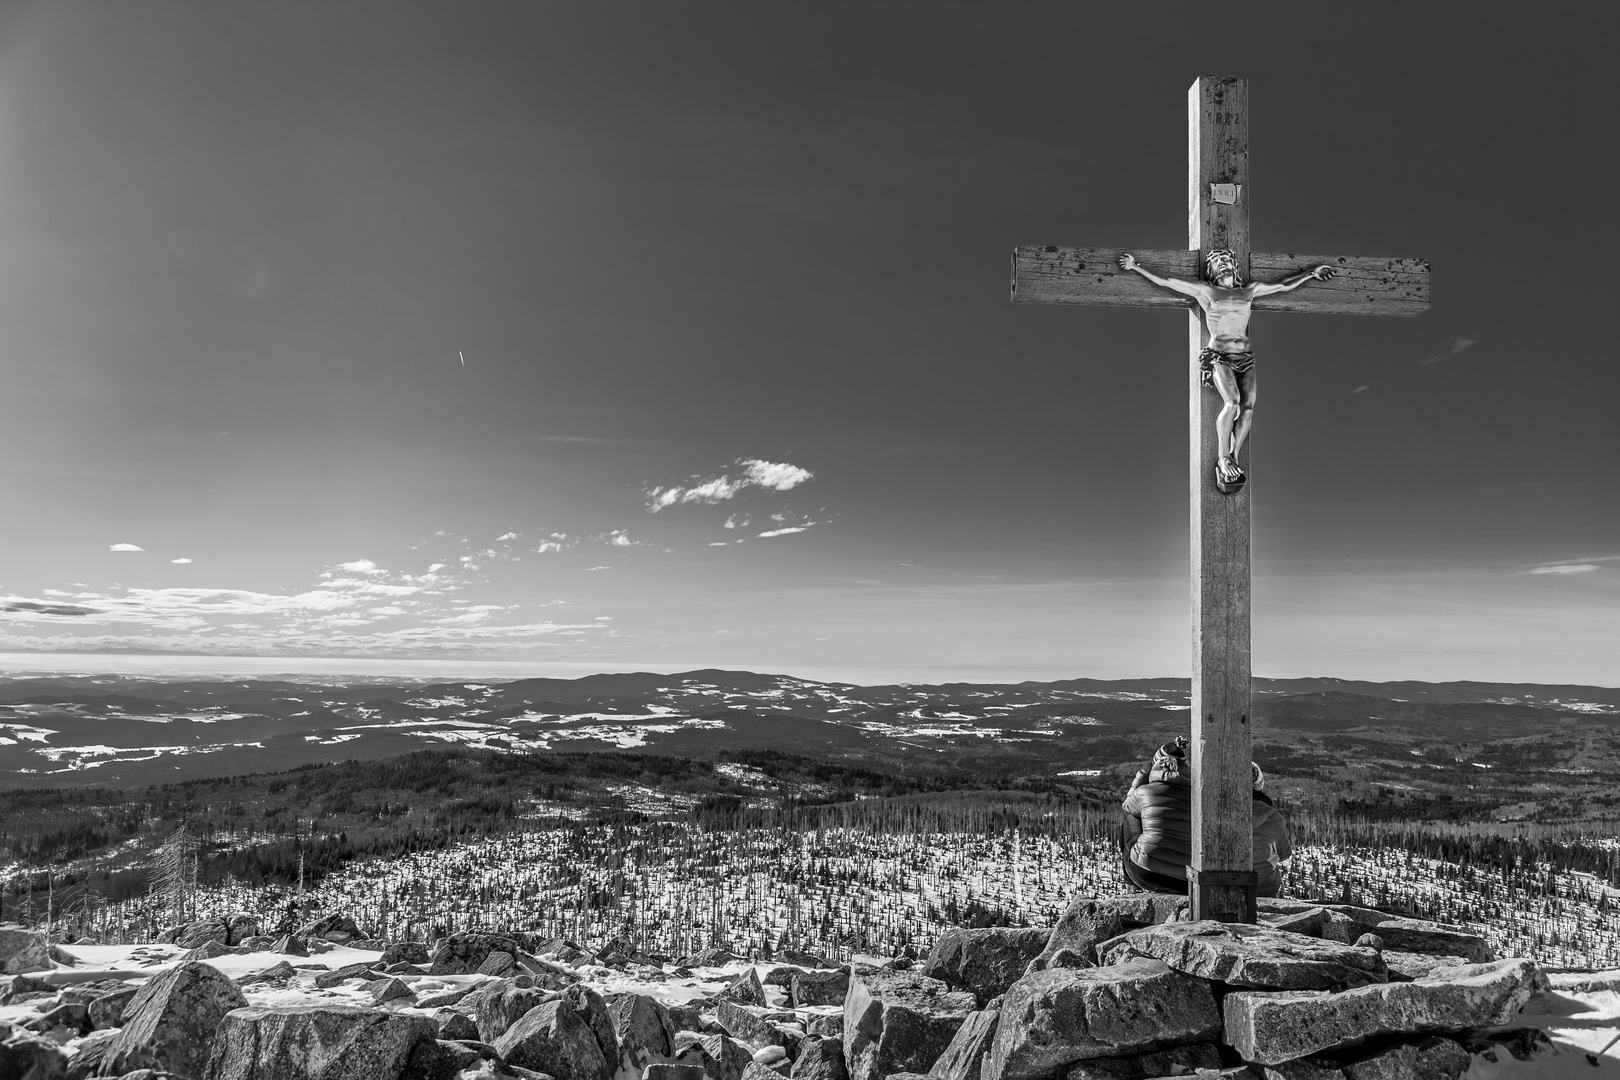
(463, 360)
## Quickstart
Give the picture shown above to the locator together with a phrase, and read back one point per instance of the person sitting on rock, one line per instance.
(1157, 842)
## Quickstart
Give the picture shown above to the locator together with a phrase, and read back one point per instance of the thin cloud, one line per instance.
(1359, 389)
(783, 532)
(352, 608)
(751, 473)
(1456, 347)
(1573, 566)
(180, 562)
(34, 607)
(125, 547)
(466, 617)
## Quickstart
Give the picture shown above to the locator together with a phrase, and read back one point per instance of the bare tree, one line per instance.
(174, 877)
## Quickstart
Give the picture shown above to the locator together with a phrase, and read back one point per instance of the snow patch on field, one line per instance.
(15, 733)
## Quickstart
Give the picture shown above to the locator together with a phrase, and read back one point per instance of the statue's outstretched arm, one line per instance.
(1194, 289)
(1289, 284)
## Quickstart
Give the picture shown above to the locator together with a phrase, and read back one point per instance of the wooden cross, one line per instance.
(1221, 879)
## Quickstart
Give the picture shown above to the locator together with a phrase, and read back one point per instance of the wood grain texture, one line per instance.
(1222, 829)
(1218, 153)
(1067, 275)
(1364, 285)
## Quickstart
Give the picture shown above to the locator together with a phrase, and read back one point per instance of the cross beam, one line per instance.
(1221, 879)
(1362, 286)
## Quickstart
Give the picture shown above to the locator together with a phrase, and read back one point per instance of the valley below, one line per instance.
(764, 811)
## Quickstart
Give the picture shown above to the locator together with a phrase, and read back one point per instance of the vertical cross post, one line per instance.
(1221, 879)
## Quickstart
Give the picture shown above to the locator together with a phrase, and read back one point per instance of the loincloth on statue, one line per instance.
(1239, 362)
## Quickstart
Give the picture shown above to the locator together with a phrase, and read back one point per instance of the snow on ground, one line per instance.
(137, 963)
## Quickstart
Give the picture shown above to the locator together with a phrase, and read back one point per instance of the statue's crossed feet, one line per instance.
(1228, 477)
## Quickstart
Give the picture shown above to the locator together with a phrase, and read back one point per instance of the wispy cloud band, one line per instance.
(1457, 346)
(750, 473)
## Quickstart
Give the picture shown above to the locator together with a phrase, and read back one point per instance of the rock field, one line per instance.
(1123, 988)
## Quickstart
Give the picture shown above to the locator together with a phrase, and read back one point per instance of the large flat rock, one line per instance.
(1052, 1019)
(1250, 956)
(1092, 919)
(320, 1042)
(1421, 936)
(899, 1021)
(985, 960)
(1271, 1028)
(1347, 922)
(964, 1057)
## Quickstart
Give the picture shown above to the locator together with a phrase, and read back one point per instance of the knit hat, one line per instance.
(1171, 758)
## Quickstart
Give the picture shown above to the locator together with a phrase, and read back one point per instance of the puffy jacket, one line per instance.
(1163, 808)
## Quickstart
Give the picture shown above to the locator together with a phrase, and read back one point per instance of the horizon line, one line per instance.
(20, 663)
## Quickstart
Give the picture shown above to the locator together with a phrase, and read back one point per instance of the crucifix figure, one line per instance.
(1226, 361)
(1221, 388)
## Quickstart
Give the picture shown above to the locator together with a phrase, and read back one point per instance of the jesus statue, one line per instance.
(1227, 362)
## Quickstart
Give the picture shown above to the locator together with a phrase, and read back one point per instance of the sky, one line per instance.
(620, 335)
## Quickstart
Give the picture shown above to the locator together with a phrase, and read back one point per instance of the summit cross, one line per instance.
(1221, 878)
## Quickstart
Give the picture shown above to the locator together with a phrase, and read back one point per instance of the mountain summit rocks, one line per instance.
(1250, 956)
(1132, 990)
(1273, 1028)
(1052, 1019)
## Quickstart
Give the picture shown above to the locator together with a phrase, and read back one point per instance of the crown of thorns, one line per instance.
(1214, 253)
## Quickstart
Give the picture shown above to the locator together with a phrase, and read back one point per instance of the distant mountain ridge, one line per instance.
(114, 731)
